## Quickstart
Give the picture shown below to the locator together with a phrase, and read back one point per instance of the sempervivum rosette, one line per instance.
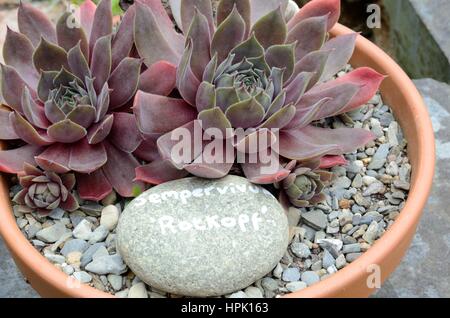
(67, 88)
(44, 191)
(252, 68)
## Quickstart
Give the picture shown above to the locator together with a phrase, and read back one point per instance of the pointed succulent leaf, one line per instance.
(210, 70)
(93, 186)
(340, 96)
(66, 131)
(159, 114)
(159, 171)
(313, 62)
(271, 29)
(99, 131)
(7, 132)
(53, 113)
(225, 7)
(55, 158)
(304, 117)
(202, 169)
(244, 114)
(119, 169)
(123, 39)
(281, 118)
(64, 77)
(102, 103)
(341, 50)
(214, 118)
(125, 134)
(28, 133)
(282, 56)
(317, 8)
(18, 53)
(46, 84)
(187, 12)
(298, 86)
(35, 24)
(83, 115)
(12, 87)
(152, 42)
(86, 14)
(277, 103)
(226, 96)
(256, 141)
(228, 35)
(309, 34)
(368, 81)
(12, 161)
(34, 113)
(152, 82)
(200, 35)
(78, 63)
(187, 82)
(102, 24)
(69, 37)
(49, 57)
(86, 158)
(206, 96)
(101, 61)
(261, 8)
(124, 81)
(247, 49)
(265, 173)
(327, 162)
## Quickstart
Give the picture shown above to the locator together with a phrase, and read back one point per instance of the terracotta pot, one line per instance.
(399, 92)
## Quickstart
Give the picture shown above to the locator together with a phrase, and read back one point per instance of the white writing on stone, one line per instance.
(184, 195)
(169, 224)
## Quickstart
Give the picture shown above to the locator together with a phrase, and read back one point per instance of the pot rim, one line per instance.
(26, 254)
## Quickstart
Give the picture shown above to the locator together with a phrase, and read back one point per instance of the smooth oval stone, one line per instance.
(199, 237)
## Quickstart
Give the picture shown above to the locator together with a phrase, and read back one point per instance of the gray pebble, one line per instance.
(82, 277)
(296, 286)
(351, 248)
(56, 214)
(88, 254)
(52, 233)
(374, 188)
(352, 257)
(99, 234)
(55, 259)
(111, 264)
(291, 274)
(341, 261)
(300, 250)
(379, 159)
(269, 284)
(310, 278)
(316, 219)
(116, 281)
(371, 233)
(83, 230)
(328, 259)
(75, 245)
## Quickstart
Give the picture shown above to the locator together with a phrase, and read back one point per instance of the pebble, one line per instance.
(98, 235)
(56, 259)
(374, 188)
(68, 270)
(138, 291)
(331, 245)
(404, 185)
(110, 217)
(316, 219)
(111, 264)
(357, 181)
(352, 257)
(239, 294)
(82, 277)
(392, 134)
(342, 182)
(341, 261)
(116, 281)
(300, 250)
(379, 159)
(278, 271)
(122, 293)
(371, 233)
(83, 230)
(92, 209)
(75, 245)
(368, 180)
(310, 278)
(52, 233)
(295, 286)
(356, 166)
(73, 258)
(291, 274)
(351, 248)
(253, 292)
(293, 216)
(328, 259)
(269, 283)
(57, 214)
(89, 253)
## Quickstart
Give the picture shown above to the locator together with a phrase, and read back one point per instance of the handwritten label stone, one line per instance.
(199, 237)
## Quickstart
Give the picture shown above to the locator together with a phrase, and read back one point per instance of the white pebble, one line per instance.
(110, 217)
(138, 291)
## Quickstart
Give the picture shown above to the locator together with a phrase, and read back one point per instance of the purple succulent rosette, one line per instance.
(251, 67)
(68, 88)
(44, 191)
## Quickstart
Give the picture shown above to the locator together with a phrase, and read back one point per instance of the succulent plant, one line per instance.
(303, 186)
(67, 88)
(253, 66)
(44, 191)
